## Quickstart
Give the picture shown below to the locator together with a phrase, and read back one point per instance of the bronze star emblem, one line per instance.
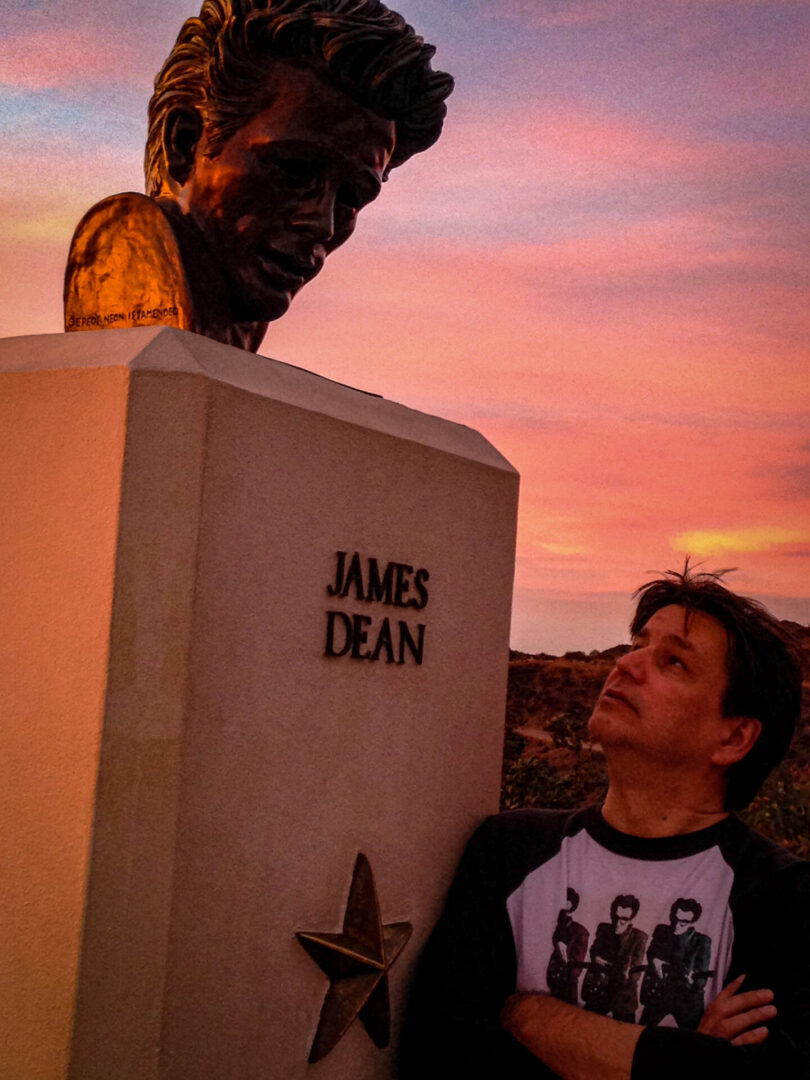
(357, 962)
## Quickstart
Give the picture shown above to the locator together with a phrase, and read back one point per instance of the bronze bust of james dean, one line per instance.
(273, 122)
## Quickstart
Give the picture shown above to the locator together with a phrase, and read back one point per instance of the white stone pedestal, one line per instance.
(191, 778)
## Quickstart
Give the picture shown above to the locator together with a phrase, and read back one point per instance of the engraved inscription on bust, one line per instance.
(273, 123)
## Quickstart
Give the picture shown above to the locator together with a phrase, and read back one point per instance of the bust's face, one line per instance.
(286, 188)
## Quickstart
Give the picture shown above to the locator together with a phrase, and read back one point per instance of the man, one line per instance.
(610, 986)
(678, 968)
(273, 123)
(691, 721)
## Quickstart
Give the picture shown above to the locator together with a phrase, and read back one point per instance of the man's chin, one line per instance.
(593, 722)
(602, 725)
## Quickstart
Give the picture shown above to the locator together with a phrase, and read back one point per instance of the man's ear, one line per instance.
(741, 732)
(181, 136)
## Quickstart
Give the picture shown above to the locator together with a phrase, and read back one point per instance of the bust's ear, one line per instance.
(181, 136)
(741, 732)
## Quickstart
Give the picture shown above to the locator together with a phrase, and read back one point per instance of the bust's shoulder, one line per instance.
(121, 220)
(125, 267)
(133, 203)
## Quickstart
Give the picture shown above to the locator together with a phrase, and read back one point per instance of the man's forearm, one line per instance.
(575, 1044)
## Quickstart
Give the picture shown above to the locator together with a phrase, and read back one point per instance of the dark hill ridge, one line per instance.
(801, 635)
(542, 686)
(549, 762)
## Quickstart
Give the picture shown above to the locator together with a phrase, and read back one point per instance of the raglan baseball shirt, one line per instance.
(642, 930)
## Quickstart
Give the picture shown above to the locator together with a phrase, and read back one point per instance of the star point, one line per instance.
(357, 962)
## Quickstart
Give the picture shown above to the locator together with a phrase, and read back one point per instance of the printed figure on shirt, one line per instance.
(570, 945)
(677, 968)
(610, 986)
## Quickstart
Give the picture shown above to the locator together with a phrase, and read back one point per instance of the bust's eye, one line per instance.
(296, 171)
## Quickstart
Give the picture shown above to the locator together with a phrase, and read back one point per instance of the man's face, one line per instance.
(622, 919)
(682, 920)
(663, 698)
(285, 189)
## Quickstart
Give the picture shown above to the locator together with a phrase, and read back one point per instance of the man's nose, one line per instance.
(315, 215)
(632, 663)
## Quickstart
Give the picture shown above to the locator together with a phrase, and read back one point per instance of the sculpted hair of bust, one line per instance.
(221, 59)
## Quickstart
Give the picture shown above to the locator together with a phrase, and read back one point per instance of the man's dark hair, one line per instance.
(572, 897)
(631, 902)
(220, 63)
(685, 905)
(764, 676)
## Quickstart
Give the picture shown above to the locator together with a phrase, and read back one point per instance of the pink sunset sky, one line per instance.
(603, 266)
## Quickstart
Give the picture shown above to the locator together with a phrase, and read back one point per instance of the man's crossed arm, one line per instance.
(579, 1045)
(469, 967)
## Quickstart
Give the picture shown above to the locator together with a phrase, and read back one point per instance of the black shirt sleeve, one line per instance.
(670, 1054)
(466, 972)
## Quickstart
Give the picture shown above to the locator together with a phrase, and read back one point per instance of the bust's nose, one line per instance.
(315, 215)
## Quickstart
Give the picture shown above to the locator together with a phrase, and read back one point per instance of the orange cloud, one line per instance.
(613, 496)
(703, 542)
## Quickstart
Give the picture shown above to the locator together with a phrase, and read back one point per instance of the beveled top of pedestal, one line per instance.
(164, 349)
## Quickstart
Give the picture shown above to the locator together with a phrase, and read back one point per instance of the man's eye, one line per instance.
(675, 661)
